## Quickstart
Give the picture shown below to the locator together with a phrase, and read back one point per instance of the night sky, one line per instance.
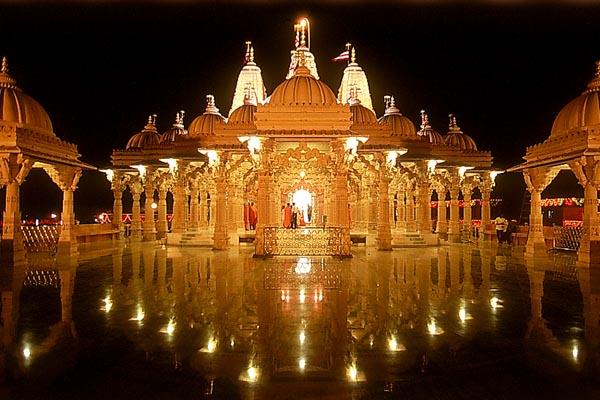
(99, 69)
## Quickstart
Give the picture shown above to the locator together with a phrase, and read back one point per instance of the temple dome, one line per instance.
(146, 137)
(428, 132)
(207, 123)
(456, 138)
(581, 112)
(176, 130)
(361, 115)
(18, 107)
(243, 115)
(398, 123)
(302, 89)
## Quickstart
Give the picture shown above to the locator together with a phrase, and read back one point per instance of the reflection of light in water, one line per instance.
(211, 346)
(282, 295)
(26, 352)
(232, 341)
(352, 371)
(107, 304)
(170, 327)
(302, 296)
(302, 364)
(302, 337)
(303, 266)
(371, 341)
(575, 352)
(252, 374)
(495, 303)
(139, 315)
(463, 315)
(393, 344)
(433, 329)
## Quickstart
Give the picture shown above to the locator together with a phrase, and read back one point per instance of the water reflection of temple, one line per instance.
(256, 321)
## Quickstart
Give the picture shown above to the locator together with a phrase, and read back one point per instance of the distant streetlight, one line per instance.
(53, 215)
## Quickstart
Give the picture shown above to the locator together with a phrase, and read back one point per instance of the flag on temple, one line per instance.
(344, 56)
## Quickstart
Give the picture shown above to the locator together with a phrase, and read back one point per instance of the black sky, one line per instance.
(504, 68)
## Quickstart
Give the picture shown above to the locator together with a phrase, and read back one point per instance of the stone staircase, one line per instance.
(411, 239)
(190, 239)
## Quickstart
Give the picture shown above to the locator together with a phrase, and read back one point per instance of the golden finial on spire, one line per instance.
(392, 102)
(248, 45)
(154, 119)
(4, 65)
(296, 35)
(150, 119)
(424, 120)
(386, 101)
(251, 54)
(452, 125)
(353, 56)
(303, 33)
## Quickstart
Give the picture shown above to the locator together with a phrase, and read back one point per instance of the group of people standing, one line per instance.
(293, 216)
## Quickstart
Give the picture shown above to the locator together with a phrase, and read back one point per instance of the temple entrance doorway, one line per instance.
(303, 199)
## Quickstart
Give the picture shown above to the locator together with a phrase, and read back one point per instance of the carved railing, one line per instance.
(42, 238)
(307, 241)
(567, 237)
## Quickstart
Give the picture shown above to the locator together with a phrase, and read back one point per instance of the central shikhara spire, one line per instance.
(302, 48)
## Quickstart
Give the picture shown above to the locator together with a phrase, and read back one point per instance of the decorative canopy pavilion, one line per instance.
(573, 144)
(347, 170)
(27, 140)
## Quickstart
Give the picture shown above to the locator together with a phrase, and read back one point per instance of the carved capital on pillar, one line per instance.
(65, 177)
(14, 168)
(538, 178)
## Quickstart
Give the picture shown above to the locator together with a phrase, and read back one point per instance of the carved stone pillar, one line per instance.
(203, 210)
(454, 225)
(178, 221)
(149, 224)
(13, 170)
(212, 212)
(384, 233)
(467, 211)
(135, 187)
(587, 171)
(162, 224)
(194, 206)
(341, 198)
(186, 209)
(424, 207)
(262, 205)
(401, 210)
(441, 226)
(536, 180)
(221, 236)
(372, 204)
(117, 189)
(411, 223)
(486, 212)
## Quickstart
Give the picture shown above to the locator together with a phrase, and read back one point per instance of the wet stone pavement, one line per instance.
(149, 322)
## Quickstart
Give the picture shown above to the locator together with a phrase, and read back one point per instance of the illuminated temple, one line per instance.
(352, 175)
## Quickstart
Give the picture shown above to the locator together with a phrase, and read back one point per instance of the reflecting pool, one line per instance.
(145, 321)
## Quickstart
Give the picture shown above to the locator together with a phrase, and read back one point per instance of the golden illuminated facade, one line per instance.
(359, 175)
(573, 145)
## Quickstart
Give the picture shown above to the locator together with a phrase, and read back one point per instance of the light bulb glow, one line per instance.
(302, 363)
(301, 337)
(107, 304)
(139, 315)
(575, 352)
(26, 352)
(352, 372)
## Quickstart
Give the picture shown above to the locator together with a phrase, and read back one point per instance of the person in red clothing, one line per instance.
(252, 216)
(287, 216)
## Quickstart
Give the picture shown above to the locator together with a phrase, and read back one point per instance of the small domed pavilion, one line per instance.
(573, 145)
(27, 140)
